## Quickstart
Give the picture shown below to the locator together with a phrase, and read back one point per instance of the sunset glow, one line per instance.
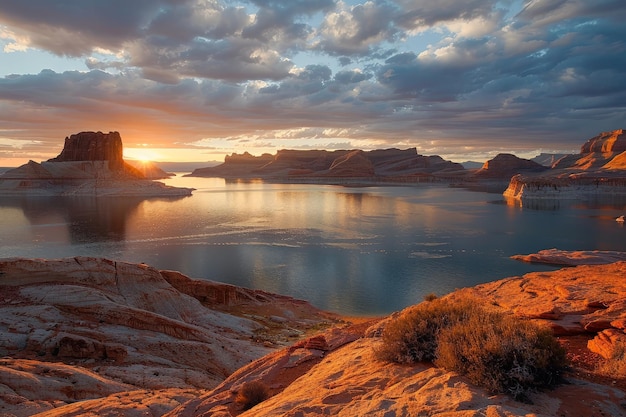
(196, 80)
(143, 155)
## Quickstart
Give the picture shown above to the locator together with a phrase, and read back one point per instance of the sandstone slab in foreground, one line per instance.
(71, 327)
(93, 329)
(342, 377)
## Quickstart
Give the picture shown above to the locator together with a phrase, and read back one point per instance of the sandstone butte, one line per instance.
(597, 171)
(91, 337)
(91, 163)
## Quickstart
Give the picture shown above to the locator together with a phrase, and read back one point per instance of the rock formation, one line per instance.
(126, 339)
(386, 165)
(337, 373)
(91, 163)
(505, 165)
(93, 146)
(548, 159)
(572, 258)
(606, 142)
(599, 170)
(352, 164)
(83, 328)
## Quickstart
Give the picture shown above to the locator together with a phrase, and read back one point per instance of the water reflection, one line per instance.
(81, 219)
(538, 204)
(352, 250)
(601, 202)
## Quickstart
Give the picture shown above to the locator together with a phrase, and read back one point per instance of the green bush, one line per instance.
(252, 393)
(502, 353)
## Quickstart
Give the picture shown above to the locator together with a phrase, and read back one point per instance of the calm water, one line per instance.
(350, 250)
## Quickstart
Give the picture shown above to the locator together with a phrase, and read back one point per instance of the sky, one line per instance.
(195, 80)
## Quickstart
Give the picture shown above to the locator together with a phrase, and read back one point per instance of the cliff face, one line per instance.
(294, 165)
(93, 146)
(605, 142)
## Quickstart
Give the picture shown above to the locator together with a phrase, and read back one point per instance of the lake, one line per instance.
(352, 250)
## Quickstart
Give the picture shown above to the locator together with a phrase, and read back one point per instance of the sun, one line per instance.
(142, 154)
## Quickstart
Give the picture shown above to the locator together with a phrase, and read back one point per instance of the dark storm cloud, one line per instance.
(231, 59)
(571, 61)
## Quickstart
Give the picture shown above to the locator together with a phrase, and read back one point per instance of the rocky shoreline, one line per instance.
(91, 336)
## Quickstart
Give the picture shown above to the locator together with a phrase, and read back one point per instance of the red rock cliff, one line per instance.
(614, 141)
(93, 146)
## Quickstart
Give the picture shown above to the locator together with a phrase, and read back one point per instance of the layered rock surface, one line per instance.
(91, 163)
(129, 338)
(338, 374)
(378, 165)
(85, 328)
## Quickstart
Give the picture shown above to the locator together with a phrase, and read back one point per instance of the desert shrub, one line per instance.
(252, 393)
(502, 353)
(615, 366)
(430, 297)
(412, 337)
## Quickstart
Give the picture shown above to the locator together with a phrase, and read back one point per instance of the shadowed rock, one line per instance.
(93, 146)
(505, 165)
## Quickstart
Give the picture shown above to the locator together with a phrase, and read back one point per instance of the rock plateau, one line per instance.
(506, 165)
(343, 166)
(91, 163)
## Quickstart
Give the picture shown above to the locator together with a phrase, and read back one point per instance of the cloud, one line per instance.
(16, 144)
(76, 27)
(358, 29)
(379, 72)
(419, 14)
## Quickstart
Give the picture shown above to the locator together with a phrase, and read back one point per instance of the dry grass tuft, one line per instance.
(497, 351)
(252, 393)
(615, 366)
